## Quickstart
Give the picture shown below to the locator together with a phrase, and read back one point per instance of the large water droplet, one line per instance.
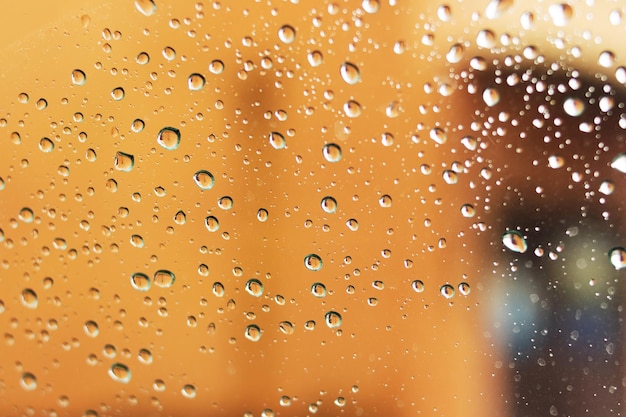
(46, 145)
(352, 109)
(447, 291)
(370, 6)
(78, 77)
(318, 290)
(313, 262)
(188, 391)
(216, 67)
(253, 332)
(491, 97)
(146, 7)
(91, 328)
(315, 58)
(287, 34)
(619, 162)
(169, 138)
(140, 281)
(169, 53)
(29, 298)
(514, 241)
(574, 106)
(254, 287)
(277, 140)
(496, 8)
(142, 58)
(212, 224)
(118, 94)
(333, 319)
(196, 82)
(385, 201)
(329, 205)
(286, 327)
(617, 257)
(120, 373)
(350, 73)
(262, 215)
(438, 135)
(418, 285)
(332, 152)
(204, 179)
(164, 278)
(124, 161)
(28, 381)
(561, 14)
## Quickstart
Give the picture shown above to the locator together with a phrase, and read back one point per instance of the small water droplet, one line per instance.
(467, 210)
(164, 278)
(142, 58)
(352, 224)
(204, 179)
(124, 161)
(41, 104)
(556, 161)
(455, 53)
(332, 152)
(211, 223)
(315, 58)
(333, 319)
(137, 125)
(287, 34)
(438, 135)
(329, 205)
(617, 256)
(385, 201)
(464, 288)
(180, 217)
(169, 138)
(514, 241)
(196, 82)
(118, 93)
(169, 53)
(350, 73)
(146, 7)
(607, 187)
(145, 356)
(313, 262)
(352, 109)
(277, 140)
(91, 328)
(253, 332)
(78, 77)
(254, 287)
(46, 145)
(120, 373)
(140, 281)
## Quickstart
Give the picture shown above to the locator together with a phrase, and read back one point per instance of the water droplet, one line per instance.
(211, 223)
(486, 39)
(438, 135)
(120, 373)
(417, 285)
(262, 215)
(78, 77)
(574, 106)
(352, 224)
(617, 256)
(145, 356)
(188, 391)
(137, 125)
(370, 6)
(313, 262)
(329, 205)
(26, 215)
(216, 67)
(140, 281)
(315, 58)
(444, 13)
(41, 104)
(496, 8)
(118, 93)
(196, 82)
(204, 179)
(124, 161)
(146, 7)
(169, 53)
(23, 98)
(447, 291)
(467, 210)
(254, 287)
(352, 109)
(350, 73)
(333, 319)
(385, 201)
(455, 54)
(464, 288)
(46, 145)
(287, 34)
(619, 162)
(514, 241)
(91, 328)
(318, 290)
(169, 138)
(29, 298)
(450, 177)
(28, 381)
(277, 140)
(555, 161)
(180, 217)
(332, 152)
(253, 332)
(225, 203)
(491, 97)
(607, 187)
(560, 14)
(142, 58)
(164, 278)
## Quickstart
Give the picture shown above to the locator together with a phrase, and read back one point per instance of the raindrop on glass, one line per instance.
(514, 241)
(313, 262)
(169, 138)
(332, 152)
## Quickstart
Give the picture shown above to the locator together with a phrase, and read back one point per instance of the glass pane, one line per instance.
(312, 208)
